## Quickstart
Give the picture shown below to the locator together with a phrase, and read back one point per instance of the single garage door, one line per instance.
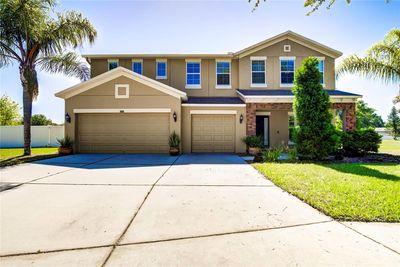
(123, 133)
(213, 133)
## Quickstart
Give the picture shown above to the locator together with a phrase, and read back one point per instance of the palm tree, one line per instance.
(381, 62)
(32, 35)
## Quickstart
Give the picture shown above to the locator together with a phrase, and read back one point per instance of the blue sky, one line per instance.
(220, 27)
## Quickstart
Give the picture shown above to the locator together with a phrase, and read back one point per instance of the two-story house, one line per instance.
(134, 101)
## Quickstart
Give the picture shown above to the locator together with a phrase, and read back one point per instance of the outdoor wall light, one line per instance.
(241, 118)
(174, 116)
(67, 118)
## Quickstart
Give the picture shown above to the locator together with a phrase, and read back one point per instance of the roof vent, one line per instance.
(286, 48)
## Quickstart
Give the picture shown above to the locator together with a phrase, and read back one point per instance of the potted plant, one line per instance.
(66, 144)
(174, 142)
(254, 144)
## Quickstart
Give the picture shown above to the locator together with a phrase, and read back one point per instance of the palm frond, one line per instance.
(370, 68)
(67, 63)
(70, 29)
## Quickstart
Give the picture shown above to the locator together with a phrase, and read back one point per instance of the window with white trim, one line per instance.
(321, 68)
(287, 71)
(112, 63)
(137, 66)
(223, 70)
(161, 69)
(193, 74)
(122, 91)
(258, 71)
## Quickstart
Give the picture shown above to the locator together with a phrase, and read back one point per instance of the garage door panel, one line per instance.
(213, 133)
(123, 133)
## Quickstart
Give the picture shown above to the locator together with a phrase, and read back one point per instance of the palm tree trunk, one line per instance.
(27, 101)
(30, 88)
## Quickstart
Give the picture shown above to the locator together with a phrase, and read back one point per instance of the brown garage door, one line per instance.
(123, 133)
(213, 133)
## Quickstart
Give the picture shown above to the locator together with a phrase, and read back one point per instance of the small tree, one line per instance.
(40, 119)
(366, 117)
(393, 123)
(9, 111)
(316, 135)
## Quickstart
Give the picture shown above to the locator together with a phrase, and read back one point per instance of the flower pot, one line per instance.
(65, 150)
(174, 151)
(254, 151)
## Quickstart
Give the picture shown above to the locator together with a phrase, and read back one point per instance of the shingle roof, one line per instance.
(286, 92)
(214, 100)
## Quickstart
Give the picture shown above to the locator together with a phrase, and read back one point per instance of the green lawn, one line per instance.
(359, 192)
(390, 146)
(8, 153)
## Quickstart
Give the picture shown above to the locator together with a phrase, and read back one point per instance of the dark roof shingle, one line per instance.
(214, 100)
(286, 92)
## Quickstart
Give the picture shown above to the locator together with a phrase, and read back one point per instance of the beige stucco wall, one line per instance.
(176, 74)
(103, 97)
(240, 69)
(273, 53)
(240, 129)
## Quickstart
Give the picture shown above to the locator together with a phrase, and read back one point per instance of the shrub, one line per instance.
(253, 141)
(272, 154)
(315, 138)
(292, 154)
(174, 140)
(359, 142)
(66, 142)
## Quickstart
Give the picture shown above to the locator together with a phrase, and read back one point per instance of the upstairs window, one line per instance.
(161, 69)
(258, 73)
(137, 66)
(321, 67)
(223, 74)
(287, 71)
(112, 64)
(193, 74)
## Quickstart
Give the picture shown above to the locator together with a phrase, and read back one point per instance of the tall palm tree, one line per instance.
(33, 35)
(381, 62)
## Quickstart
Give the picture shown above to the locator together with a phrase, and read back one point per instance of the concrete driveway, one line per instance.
(192, 210)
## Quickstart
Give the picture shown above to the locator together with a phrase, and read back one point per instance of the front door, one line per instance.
(262, 129)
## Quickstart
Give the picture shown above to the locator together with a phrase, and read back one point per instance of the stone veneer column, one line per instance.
(251, 118)
(349, 113)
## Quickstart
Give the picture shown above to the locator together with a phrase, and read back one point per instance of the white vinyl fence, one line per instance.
(42, 136)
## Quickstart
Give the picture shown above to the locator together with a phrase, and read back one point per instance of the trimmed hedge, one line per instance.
(360, 142)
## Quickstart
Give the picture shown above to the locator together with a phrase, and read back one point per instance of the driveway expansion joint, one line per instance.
(225, 233)
(370, 238)
(137, 212)
(161, 240)
(52, 251)
(215, 185)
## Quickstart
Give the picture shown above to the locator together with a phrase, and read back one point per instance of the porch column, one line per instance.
(251, 118)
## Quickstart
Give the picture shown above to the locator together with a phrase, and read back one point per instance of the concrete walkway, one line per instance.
(192, 210)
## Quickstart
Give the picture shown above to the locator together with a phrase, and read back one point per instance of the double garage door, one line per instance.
(148, 133)
(123, 133)
(213, 133)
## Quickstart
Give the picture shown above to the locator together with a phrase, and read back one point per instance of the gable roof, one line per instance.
(295, 37)
(115, 73)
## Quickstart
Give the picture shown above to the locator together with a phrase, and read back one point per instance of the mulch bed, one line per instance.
(369, 158)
